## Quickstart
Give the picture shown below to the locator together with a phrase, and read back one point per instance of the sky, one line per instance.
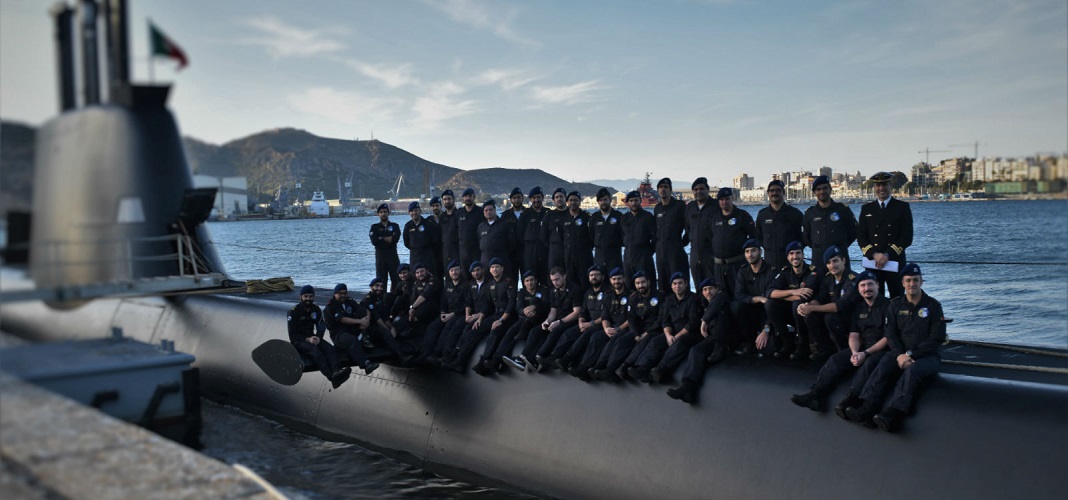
(601, 89)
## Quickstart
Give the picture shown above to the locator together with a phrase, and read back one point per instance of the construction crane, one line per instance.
(928, 152)
(975, 145)
(395, 192)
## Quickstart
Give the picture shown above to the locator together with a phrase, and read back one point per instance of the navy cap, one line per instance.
(469, 191)
(489, 203)
(595, 267)
(724, 193)
(666, 181)
(447, 192)
(911, 269)
(699, 180)
(776, 182)
(751, 243)
(820, 181)
(706, 282)
(602, 193)
(794, 245)
(413, 205)
(881, 177)
(418, 266)
(435, 201)
(340, 287)
(638, 274)
(306, 289)
(474, 265)
(374, 280)
(496, 261)
(515, 191)
(560, 190)
(618, 271)
(382, 207)
(575, 194)
(633, 194)
(453, 263)
(528, 274)
(403, 267)
(832, 251)
(866, 275)
(536, 190)
(677, 276)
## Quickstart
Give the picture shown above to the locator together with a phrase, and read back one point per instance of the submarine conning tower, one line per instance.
(114, 198)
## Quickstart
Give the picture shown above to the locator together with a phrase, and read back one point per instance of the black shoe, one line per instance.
(809, 400)
(687, 392)
(481, 368)
(584, 374)
(340, 376)
(643, 376)
(543, 364)
(718, 353)
(514, 363)
(606, 375)
(656, 377)
(634, 373)
(576, 371)
(455, 366)
(369, 367)
(800, 354)
(888, 420)
(531, 366)
(841, 408)
(561, 364)
(862, 415)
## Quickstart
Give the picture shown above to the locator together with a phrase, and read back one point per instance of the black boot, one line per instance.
(811, 400)
(862, 415)
(889, 419)
(849, 402)
(718, 352)
(687, 392)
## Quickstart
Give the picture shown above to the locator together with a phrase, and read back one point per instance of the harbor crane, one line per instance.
(395, 192)
(975, 145)
(928, 151)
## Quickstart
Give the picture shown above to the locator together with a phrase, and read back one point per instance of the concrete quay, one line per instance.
(52, 447)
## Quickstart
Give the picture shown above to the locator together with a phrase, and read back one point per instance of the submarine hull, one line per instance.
(552, 435)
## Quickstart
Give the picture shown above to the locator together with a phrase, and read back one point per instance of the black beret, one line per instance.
(340, 287)
(633, 194)
(665, 181)
(699, 180)
(382, 207)
(469, 191)
(603, 193)
(447, 192)
(535, 191)
(306, 289)
(819, 181)
(413, 205)
(515, 191)
(724, 193)
(776, 182)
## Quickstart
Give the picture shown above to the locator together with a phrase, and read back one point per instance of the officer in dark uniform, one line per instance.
(347, 319)
(305, 324)
(535, 247)
(496, 239)
(884, 232)
(384, 237)
(492, 326)
(671, 241)
(915, 329)
(867, 345)
(657, 365)
(614, 322)
(777, 225)
(552, 230)
(454, 301)
(423, 239)
(516, 208)
(448, 221)
(731, 227)
(435, 210)
(570, 337)
(477, 306)
(792, 286)
(423, 309)
(751, 284)
(376, 301)
(470, 216)
(699, 230)
(575, 233)
(642, 322)
(511, 215)
(639, 239)
(827, 314)
(827, 223)
(399, 297)
(565, 306)
(606, 232)
(708, 351)
(531, 310)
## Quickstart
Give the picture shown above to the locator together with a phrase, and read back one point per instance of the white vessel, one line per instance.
(319, 206)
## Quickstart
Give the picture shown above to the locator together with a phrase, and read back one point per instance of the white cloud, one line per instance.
(481, 16)
(441, 105)
(392, 76)
(347, 107)
(567, 94)
(284, 40)
(507, 79)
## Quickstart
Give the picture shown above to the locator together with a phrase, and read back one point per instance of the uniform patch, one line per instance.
(538, 295)
(578, 222)
(315, 316)
(600, 296)
(289, 318)
(732, 221)
(612, 220)
(422, 228)
(835, 217)
(653, 301)
(923, 312)
(623, 301)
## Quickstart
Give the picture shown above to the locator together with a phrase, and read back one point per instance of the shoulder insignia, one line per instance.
(835, 217)
(923, 312)
(852, 276)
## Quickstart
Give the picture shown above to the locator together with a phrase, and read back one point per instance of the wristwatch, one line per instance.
(908, 353)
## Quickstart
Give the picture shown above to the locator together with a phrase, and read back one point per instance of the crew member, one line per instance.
(699, 230)
(867, 345)
(606, 232)
(827, 314)
(478, 305)
(454, 301)
(793, 285)
(450, 230)
(531, 309)
(641, 310)
(731, 228)
(376, 301)
(884, 232)
(565, 306)
(827, 223)
(496, 239)
(399, 297)
(501, 292)
(423, 309)
(707, 352)
(384, 237)
(305, 324)
(570, 338)
(511, 215)
(470, 216)
(613, 322)
(435, 210)
(574, 230)
(777, 225)
(347, 319)
(751, 285)
(423, 238)
(639, 239)
(915, 329)
(671, 241)
(552, 230)
(714, 304)
(529, 229)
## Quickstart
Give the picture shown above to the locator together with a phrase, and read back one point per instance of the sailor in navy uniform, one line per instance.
(467, 221)
(639, 239)
(777, 225)
(884, 232)
(552, 231)
(827, 223)
(731, 227)
(347, 319)
(916, 329)
(671, 239)
(792, 286)
(709, 349)
(606, 232)
(529, 230)
(454, 301)
(565, 306)
(511, 215)
(570, 338)
(448, 221)
(435, 210)
(531, 310)
(827, 314)
(578, 245)
(384, 237)
(613, 322)
(501, 293)
(699, 231)
(422, 237)
(751, 288)
(641, 312)
(496, 239)
(305, 324)
(867, 345)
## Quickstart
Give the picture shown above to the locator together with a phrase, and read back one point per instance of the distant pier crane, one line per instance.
(928, 151)
(395, 192)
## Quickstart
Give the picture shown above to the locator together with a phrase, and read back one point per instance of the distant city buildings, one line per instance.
(743, 182)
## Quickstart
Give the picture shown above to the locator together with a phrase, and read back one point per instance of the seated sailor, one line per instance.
(305, 325)
(346, 319)
(792, 286)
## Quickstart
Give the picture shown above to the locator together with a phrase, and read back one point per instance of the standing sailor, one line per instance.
(423, 239)
(731, 228)
(496, 239)
(470, 216)
(606, 232)
(884, 232)
(777, 225)
(639, 239)
(535, 248)
(448, 222)
(384, 237)
(575, 233)
(698, 228)
(826, 224)
(671, 242)
(552, 231)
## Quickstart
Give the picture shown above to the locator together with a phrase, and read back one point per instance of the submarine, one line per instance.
(117, 241)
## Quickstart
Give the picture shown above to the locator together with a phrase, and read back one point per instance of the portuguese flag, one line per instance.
(163, 46)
